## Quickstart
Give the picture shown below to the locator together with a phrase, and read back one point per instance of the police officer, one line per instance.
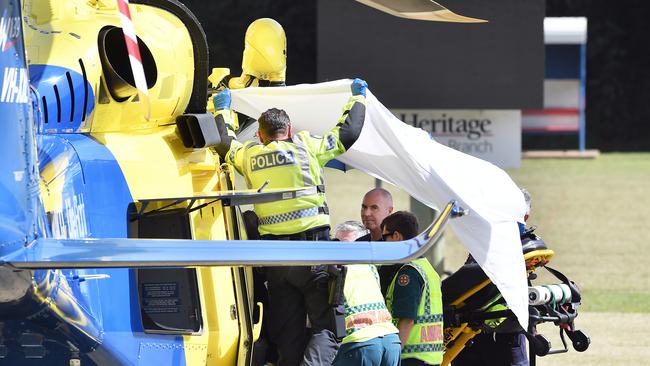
(371, 338)
(288, 160)
(414, 298)
(264, 63)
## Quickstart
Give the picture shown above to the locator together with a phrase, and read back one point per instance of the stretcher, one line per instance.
(472, 304)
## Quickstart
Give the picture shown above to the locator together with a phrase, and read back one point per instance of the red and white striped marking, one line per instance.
(134, 55)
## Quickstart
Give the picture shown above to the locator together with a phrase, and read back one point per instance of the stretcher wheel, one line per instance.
(540, 345)
(580, 340)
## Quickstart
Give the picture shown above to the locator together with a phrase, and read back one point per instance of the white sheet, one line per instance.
(409, 158)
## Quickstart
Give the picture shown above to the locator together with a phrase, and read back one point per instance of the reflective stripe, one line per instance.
(246, 175)
(375, 274)
(331, 142)
(307, 192)
(311, 191)
(288, 216)
(427, 292)
(303, 157)
(249, 144)
(420, 348)
(433, 318)
(365, 307)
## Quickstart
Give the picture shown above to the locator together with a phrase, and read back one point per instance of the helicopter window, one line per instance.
(169, 301)
(169, 297)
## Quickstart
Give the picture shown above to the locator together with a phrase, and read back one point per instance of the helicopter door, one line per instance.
(169, 297)
(242, 277)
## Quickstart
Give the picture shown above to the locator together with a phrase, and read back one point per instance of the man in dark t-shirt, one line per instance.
(414, 298)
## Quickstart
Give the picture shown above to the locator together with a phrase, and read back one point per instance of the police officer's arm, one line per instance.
(229, 149)
(351, 122)
(346, 132)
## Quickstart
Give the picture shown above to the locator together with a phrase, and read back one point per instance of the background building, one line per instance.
(617, 76)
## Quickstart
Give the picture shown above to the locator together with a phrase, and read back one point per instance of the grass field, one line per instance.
(594, 215)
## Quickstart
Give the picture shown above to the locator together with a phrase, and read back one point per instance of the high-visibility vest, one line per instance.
(293, 163)
(366, 314)
(425, 342)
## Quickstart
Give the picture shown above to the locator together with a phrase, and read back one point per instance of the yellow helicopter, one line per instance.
(121, 238)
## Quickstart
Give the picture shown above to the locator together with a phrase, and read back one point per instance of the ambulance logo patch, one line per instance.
(403, 280)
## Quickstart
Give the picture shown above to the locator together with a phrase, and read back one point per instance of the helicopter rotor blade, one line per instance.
(419, 10)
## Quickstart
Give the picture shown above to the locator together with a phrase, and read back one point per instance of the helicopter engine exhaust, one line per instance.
(115, 64)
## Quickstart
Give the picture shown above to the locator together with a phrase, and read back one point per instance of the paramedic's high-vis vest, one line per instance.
(425, 342)
(293, 163)
(366, 314)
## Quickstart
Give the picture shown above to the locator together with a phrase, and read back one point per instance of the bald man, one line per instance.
(377, 204)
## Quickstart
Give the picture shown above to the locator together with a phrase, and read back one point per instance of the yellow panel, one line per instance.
(75, 25)
(71, 27)
(172, 174)
(220, 331)
(181, 172)
(51, 195)
(220, 327)
(222, 324)
(165, 36)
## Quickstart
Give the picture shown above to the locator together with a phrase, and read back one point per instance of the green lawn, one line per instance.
(592, 213)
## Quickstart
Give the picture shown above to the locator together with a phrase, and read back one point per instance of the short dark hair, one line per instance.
(402, 222)
(274, 121)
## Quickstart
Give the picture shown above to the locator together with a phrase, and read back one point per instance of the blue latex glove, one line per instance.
(359, 87)
(222, 100)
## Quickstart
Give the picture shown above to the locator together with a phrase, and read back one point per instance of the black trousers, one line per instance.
(502, 349)
(413, 362)
(295, 293)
